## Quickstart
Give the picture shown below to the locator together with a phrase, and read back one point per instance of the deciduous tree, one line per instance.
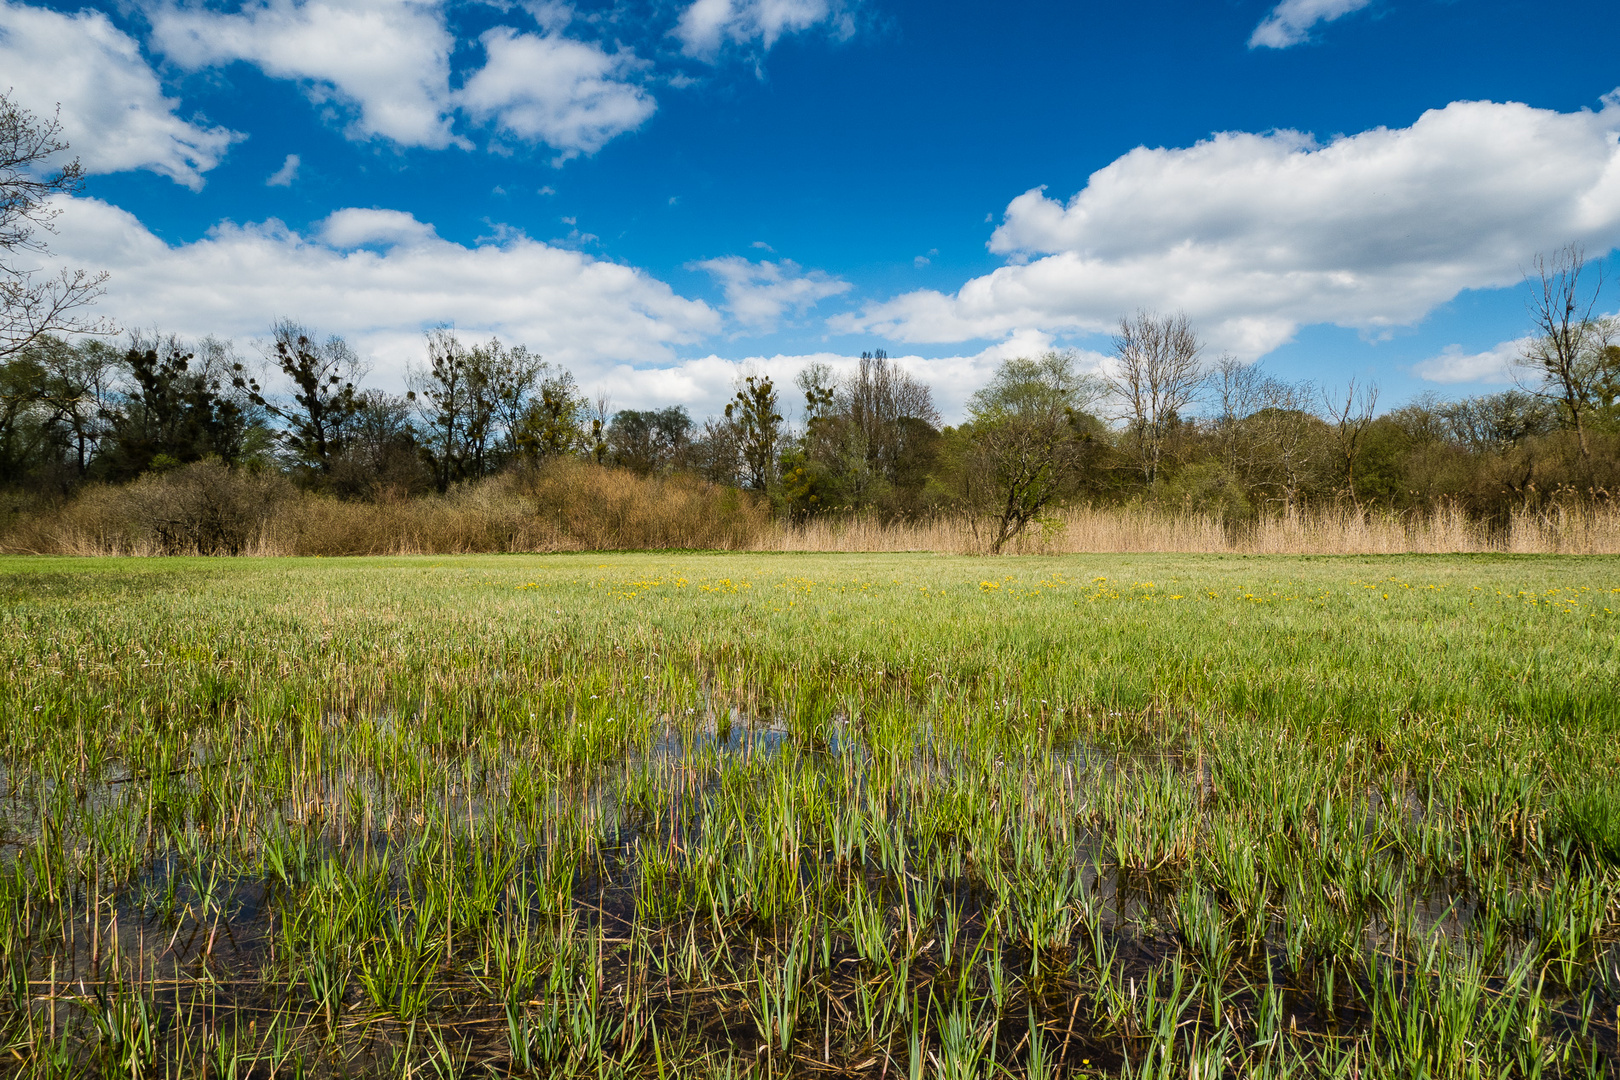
(323, 401)
(1156, 375)
(759, 429)
(32, 302)
(1570, 351)
(1029, 437)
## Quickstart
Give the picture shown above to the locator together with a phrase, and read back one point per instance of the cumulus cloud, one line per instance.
(381, 277)
(355, 227)
(758, 294)
(387, 59)
(707, 26)
(1256, 235)
(571, 95)
(1290, 22)
(1455, 365)
(113, 110)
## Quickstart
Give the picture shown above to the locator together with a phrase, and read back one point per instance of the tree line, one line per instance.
(1158, 425)
(1162, 423)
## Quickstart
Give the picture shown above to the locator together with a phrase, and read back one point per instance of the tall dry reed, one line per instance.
(1324, 531)
(572, 506)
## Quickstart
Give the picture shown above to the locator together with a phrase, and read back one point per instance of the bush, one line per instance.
(205, 508)
(565, 505)
(592, 508)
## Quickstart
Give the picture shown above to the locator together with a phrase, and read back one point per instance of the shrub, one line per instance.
(203, 509)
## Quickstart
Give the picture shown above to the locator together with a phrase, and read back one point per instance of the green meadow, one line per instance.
(689, 815)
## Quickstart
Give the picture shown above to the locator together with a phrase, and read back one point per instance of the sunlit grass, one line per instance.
(667, 814)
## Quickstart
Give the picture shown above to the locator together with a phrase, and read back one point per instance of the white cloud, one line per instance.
(1494, 365)
(114, 113)
(388, 59)
(284, 176)
(704, 384)
(568, 94)
(355, 227)
(758, 294)
(380, 278)
(1290, 22)
(388, 62)
(1257, 235)
(708, 25)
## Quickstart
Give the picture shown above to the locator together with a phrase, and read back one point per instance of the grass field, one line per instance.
(890, 816)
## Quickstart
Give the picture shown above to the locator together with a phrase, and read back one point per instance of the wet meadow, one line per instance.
(888, 816)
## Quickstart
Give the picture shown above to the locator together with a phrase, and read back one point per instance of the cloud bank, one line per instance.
(380, 277)
(388, 60)
(1255, 235)
(704, 384)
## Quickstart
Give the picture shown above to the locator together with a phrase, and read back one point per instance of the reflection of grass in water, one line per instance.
(680, 815)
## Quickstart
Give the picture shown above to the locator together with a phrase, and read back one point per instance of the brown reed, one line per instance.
(574, 506)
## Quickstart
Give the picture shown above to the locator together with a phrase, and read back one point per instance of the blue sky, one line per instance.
(662, 194)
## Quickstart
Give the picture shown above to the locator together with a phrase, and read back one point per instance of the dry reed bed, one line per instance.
(572, 506)
(1332, 531)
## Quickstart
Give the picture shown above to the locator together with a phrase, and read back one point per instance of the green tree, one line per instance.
(22, 431)
(649, 441)
(1029, 439)
(553, 424)
(759, 430)
(77, 389)
(479, 407)
(869, 440)
(173, 414)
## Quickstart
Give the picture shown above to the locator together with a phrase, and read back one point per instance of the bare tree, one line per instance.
(601, 412)
(1157, 376)
(32, 304)
(1264, 428)
(1568, 348)
(1497, 423)
(1286, 435)
(322, 402)
(1350, 421)
(876, 399)
(1240, 392)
